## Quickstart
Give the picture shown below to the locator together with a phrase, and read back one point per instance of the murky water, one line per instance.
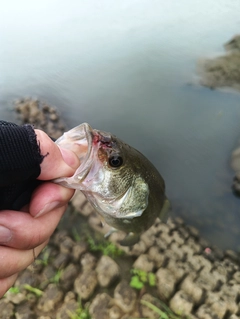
(126, 67)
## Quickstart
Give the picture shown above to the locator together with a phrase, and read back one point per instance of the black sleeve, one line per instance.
(20, 160)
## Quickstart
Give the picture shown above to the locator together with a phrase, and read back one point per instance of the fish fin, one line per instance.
(112, 230)
(164, 213)
(130, 239)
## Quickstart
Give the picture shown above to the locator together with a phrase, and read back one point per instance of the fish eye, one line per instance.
(115, 161)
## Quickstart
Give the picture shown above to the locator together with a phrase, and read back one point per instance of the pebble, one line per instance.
(156, 256)
(107, 271)
(125, 297)
(165, 283)
(181, 303)
(78, 250)
(85, 284)
(51, 297)
(61, 261)
(115, 312)
(66, 245)
(68, 275)
(205, 280)
(6, 309)
(204, 312)
(146, 311)
(191, 289)
(88, 262)
(24, 312)
(143, 262)
(99, 308)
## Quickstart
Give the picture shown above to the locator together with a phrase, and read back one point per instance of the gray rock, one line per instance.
(51, 297)
(146, 311)
(190, 288)
(85, 284)
(144, 263)
(205, 280)
(162, 228)
(236, 277)
(219, 308)
(15, 298)
(99, 308)
(138, 249)
(166, 238)
(68, 308)
(156, 256)
(26, 277)
(61, 261)
(176, 236)
(6, 309)
(181, 303)
(125, 297)
(115, 312)
(178, 269)
(24, 312)
(66, 245)
(78, 250)
(176, 249)
(198, 262)
(107, 271)
(161, 244)
(187, 251)
(194, 245)
(204, 312)
(68, 276)
(88, 262)
(148, 237)
(173, 254)
(47, 274)
(165, 283)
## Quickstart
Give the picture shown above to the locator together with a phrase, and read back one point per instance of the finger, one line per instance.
(15, 260)
(57, 162)
(7, 283)
(21, 231)
(47, 197)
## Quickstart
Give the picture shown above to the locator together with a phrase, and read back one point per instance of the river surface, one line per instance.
(129, 67)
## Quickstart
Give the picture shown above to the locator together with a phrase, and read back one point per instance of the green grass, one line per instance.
(13, 290)
(45, 254)
(105, 247)
(56, 278)
(35, 291)
(140, 278)
(165, 313)
(81, 313)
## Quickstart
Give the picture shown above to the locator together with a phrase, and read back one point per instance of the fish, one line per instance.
(121, 184)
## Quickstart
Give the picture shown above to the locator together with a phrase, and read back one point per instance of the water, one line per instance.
(127, 67)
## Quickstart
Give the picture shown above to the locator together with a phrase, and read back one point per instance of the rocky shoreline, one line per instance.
(82, 275)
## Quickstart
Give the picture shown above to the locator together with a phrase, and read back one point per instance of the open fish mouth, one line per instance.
(80, 140)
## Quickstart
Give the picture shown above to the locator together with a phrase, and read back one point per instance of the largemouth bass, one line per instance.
(120, 183)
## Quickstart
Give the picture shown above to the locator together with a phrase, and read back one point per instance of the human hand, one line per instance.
(21, 232)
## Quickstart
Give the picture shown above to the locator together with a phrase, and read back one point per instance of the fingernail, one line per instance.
(47, 208)
(5, 235)
(69, 157)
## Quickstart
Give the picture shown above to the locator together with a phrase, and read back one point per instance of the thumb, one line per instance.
(57, 162)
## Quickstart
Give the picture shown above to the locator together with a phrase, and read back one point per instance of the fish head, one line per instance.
(119, 182)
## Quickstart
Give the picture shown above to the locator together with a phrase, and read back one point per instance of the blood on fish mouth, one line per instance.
(105, 141)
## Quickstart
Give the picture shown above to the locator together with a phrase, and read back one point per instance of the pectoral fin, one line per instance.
(164, 213)
(130, 240)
